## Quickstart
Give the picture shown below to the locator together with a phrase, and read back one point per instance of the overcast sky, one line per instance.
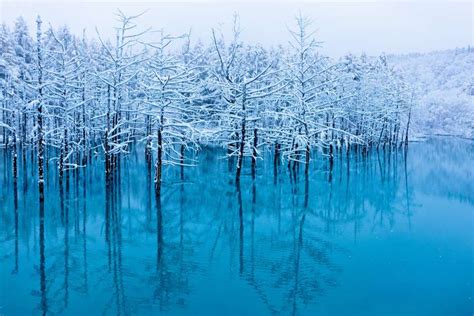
(372, 27)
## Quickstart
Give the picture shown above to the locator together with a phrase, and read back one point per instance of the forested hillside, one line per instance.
(444, 90)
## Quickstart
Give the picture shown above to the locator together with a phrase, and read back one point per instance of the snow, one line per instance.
(226, 94)
(444, 86)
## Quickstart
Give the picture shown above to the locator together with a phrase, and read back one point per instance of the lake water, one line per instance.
(378, 236)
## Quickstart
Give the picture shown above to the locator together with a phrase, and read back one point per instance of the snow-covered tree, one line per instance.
(69, 98)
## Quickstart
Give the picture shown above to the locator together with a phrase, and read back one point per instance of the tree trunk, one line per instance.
(148, 139)
(240, 157)
(182, 160)
(254, 152)
(159, 158)
(306, 169)
(84, 154)
(408, 126)
(15, 160)
(40, 115)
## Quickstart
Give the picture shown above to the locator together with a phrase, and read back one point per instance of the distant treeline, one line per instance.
(444, 90)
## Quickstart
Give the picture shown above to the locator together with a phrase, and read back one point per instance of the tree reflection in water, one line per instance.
(113, 246)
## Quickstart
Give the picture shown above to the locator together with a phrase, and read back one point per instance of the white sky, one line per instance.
(343, 26)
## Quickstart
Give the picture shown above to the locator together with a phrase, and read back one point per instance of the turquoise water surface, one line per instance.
(384, 235)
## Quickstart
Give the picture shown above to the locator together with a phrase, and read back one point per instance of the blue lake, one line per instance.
(388, 234)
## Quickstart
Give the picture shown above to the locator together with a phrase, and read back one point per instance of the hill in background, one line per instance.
(444, 90)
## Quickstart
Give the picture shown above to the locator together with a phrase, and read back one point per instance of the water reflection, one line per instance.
(279, 239)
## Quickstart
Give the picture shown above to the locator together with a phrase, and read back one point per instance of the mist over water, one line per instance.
(386, 232)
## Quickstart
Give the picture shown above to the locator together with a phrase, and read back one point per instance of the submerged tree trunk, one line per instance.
(159, 158)
(331, 155)
(240, 157)
(148, 154)
(408, 126)
(39, 132)
(64, 153)
(276, 158)
(306, 169)
(106, 135)
(15, 161)
(182, 160)
(254, 152)
(84, 140)
(106, 152)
